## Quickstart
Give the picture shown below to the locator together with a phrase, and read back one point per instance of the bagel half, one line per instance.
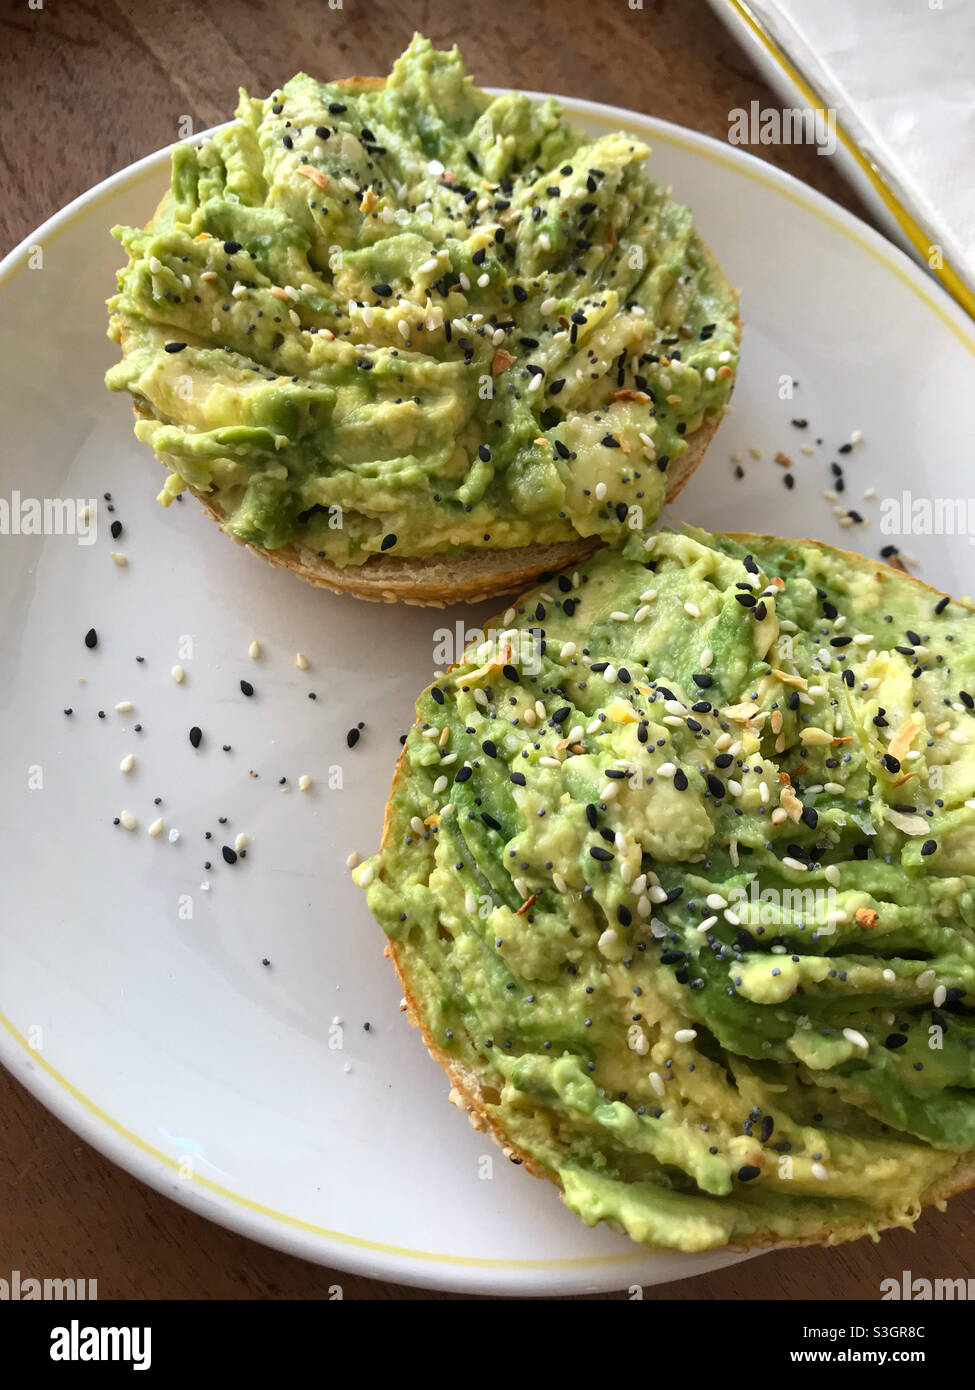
(438, 578)
(928, 1177)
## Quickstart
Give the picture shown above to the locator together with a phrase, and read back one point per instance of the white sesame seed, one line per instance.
(119, 559)
(155, 264)
(939, 996)
(692, 609)
(641, 613)
(818, 1171)
(128, 820)
(124, 707)
(608, 940)
(706, 924)
(685, 1035)
(791, 863)
(618, 617)
(609, 791)
(706, 658)
(857, 1039)
(439, 786)
(304, 783)
(666, 770)
(254, 650)
(417, 826)
(716, 901)
(559, 883)
(241, 842)
(656, 1083)
(352, 860)
(600, 492)
(568, 650)
(178, 674)
(155, 828)
(127, 763)
(365, 876)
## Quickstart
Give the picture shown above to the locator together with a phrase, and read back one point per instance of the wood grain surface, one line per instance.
(88, 88)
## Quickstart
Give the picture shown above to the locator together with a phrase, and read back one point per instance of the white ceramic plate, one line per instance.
(160, 1037)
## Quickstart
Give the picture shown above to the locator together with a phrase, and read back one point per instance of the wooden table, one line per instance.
(69, 120)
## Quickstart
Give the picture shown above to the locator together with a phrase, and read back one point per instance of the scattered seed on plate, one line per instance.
(127, 763)
(352, 860)
(196, 736)
(254, 650)
(304, 783)
(119, 559)
(246, 688)
(178, 674)
(156, 827)
(240, 843)
(352, 737)
(124, 707)
(127, 820)
(91, 638)
(229, 855)
(301, 661)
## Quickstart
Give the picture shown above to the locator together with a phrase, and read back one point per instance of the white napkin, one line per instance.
(901, 77)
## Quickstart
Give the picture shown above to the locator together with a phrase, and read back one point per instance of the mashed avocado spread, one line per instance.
(414, 318)
(680, 867)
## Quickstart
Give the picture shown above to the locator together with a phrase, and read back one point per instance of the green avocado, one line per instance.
(415, 318)
(680, 866)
